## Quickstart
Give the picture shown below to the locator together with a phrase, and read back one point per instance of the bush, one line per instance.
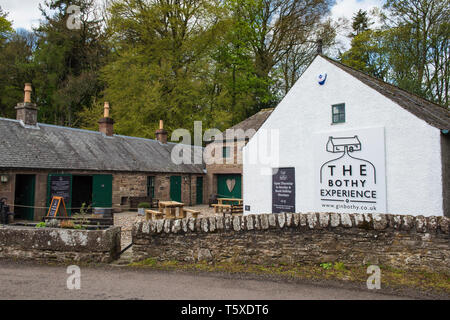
(41, 225)
(144, 205)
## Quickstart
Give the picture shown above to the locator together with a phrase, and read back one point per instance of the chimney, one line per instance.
(320, 46)
(106, 124)
(27, 111)
(161, 134)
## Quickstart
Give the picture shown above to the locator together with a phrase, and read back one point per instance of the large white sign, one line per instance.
(350, 171)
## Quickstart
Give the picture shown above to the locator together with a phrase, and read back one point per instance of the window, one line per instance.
(338, 113)
(226, 152)
(151, 187)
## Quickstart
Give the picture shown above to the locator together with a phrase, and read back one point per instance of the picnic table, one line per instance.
(229, 205)
(170, 208)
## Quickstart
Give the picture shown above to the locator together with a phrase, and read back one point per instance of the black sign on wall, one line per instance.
(60, 187)
(283, 190)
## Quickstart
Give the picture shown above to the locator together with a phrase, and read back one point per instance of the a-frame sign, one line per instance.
(56, 205)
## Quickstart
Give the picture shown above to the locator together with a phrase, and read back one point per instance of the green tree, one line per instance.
(360, 23)
(420, 29)
(67, 60)
(276, 28)
(16, 62)
(161, 61)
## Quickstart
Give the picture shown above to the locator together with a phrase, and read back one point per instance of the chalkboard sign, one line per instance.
(60, 187)
(56, 205)
(283, 190)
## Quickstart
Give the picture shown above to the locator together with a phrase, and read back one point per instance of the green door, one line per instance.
(102, 191)
(229, 186)
(24, 196)
(199, 190)
(175, 188)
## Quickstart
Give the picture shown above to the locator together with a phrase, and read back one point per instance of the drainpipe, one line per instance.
(190, 189)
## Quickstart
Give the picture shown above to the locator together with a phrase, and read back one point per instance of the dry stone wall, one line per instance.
(59, 245)
(405, 242)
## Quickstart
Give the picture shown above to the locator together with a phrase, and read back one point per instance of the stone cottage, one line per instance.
(224, 176)
(38, 161)
(351, 143)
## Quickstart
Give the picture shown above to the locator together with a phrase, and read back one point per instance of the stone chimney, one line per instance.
(161, 134)
(106, 124)
(27, 111)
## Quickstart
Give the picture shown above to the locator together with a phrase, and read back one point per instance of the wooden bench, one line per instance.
(194, 213)
(221, 207)
(153, 215)
(238, 208)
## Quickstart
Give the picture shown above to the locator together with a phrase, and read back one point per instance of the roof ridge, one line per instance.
(384, 82)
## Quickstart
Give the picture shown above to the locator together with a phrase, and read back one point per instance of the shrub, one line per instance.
(41, 225)
(144, 205)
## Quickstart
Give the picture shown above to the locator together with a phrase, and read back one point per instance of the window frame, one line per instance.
(341, 114)
(226, 152)
(151, 183)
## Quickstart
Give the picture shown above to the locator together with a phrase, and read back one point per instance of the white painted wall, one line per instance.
(413, 151)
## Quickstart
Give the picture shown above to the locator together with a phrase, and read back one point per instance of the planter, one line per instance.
(141, 211)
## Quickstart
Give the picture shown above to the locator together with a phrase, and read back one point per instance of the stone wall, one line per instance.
(59, 245)
(405, 242)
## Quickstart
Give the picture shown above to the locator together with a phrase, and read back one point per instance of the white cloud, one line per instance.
(24, 13)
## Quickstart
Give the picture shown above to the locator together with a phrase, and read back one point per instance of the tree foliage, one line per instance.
(410, 50)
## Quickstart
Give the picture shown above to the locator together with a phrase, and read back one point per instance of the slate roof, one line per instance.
(434, 114)
(54, 147)
(254, 122)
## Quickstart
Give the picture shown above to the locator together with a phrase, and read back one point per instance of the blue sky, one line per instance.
(25, 13)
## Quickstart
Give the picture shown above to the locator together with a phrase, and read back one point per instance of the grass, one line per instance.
(390, 277)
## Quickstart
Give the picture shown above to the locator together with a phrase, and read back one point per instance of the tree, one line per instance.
(422, 26)
(368, 53)
(162, 60)
(411, 49)
(15, 63)
(5, 27)
(67, 61)
(360, 23)
(276, 29)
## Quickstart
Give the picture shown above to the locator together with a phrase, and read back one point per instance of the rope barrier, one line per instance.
(32, 207)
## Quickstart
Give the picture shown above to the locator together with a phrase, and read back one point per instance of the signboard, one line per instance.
(56, 205)
(60, 187)
(350, 171)
(283, 190)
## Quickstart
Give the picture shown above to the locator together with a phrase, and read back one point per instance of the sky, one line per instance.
(25, 13)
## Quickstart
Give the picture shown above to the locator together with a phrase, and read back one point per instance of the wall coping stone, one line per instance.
(301, 221)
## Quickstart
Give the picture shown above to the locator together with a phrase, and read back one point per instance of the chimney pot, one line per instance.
(106, 110)
(161, 134)
(27, 111)
(28, 89)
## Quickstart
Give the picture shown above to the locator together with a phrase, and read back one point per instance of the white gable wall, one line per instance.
(413, 151)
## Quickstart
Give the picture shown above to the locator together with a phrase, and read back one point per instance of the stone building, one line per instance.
(351, 143)
(224, 175)
(38, 161)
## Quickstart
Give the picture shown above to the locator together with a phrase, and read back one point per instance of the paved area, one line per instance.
(28, 281)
